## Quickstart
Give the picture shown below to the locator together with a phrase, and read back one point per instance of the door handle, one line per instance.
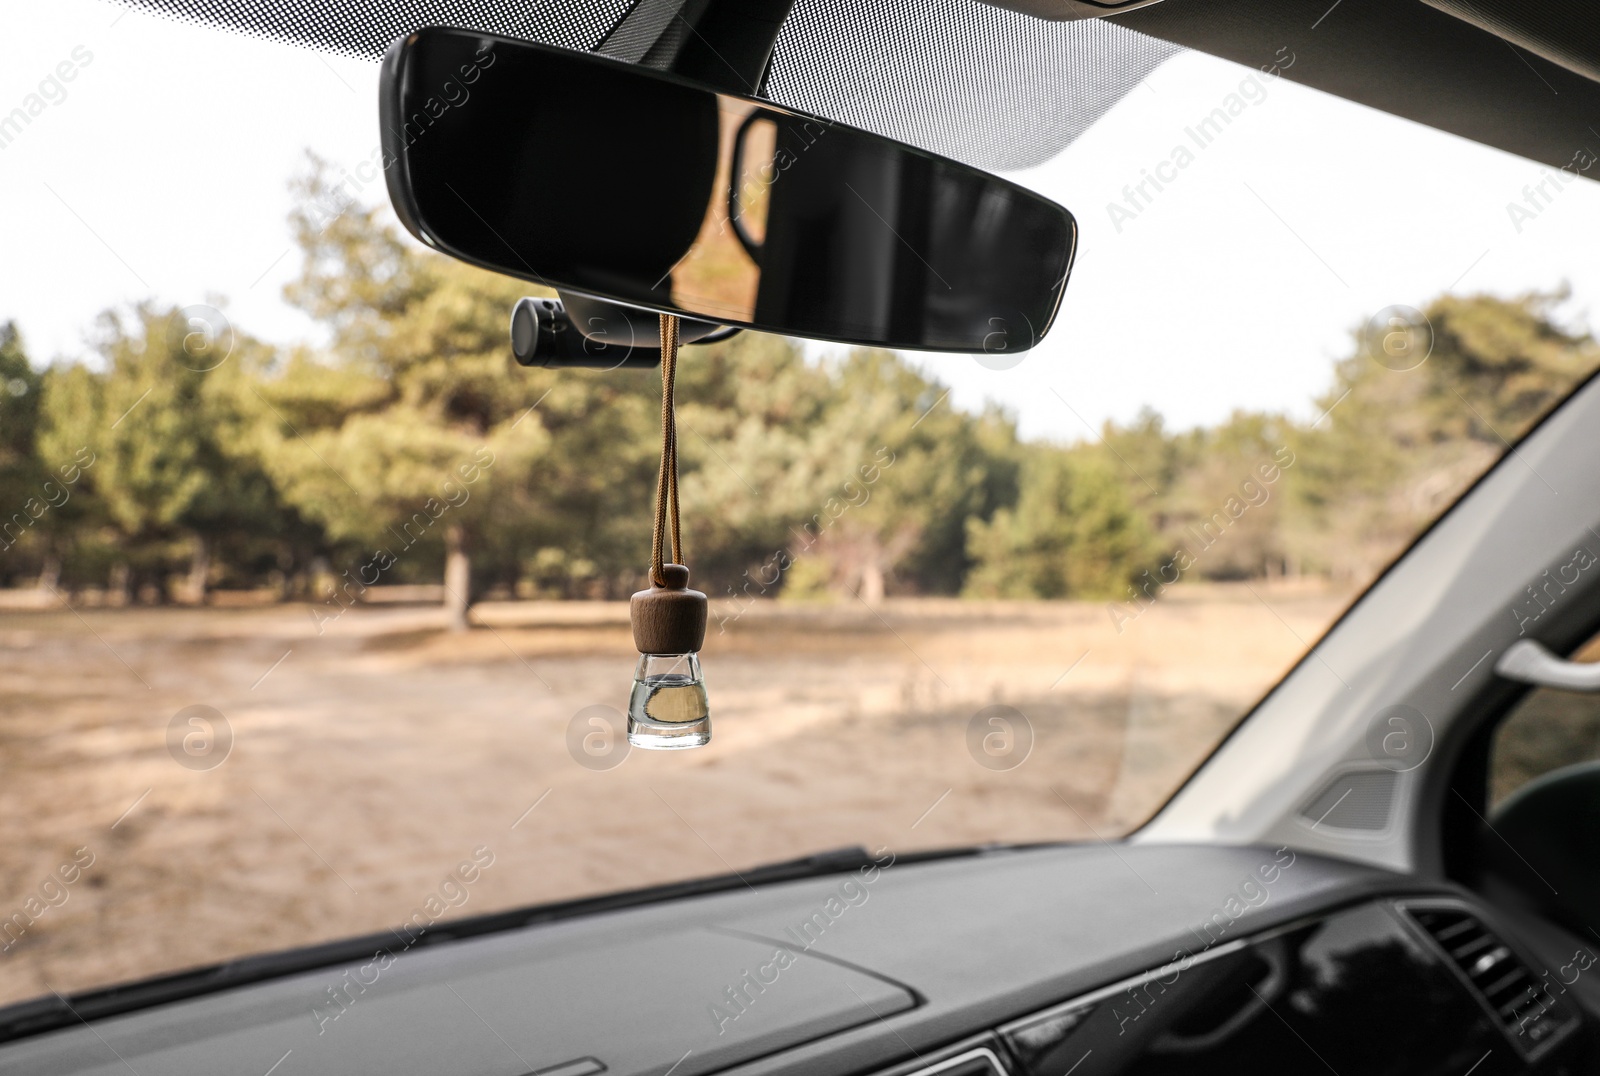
(1529, 662)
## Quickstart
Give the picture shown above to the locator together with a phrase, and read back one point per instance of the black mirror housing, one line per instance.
(593, 176)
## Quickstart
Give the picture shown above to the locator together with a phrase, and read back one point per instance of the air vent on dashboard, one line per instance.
(1520, 1001)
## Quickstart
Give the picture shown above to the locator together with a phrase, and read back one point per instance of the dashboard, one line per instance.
(1413, 987)
(1079, 960)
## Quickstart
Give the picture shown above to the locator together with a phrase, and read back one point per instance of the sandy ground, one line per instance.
(365, 763)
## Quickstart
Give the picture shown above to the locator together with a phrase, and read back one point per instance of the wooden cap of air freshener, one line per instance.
(669, 619)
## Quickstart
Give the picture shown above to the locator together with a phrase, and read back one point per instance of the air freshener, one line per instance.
(668, 708)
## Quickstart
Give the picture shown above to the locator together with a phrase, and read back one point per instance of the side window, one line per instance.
(1543, 840)
(1548, 731)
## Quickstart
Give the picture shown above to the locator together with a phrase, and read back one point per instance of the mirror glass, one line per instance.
(589, 175)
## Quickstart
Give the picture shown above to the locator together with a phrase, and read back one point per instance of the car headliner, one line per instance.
(1407, 58)
(1516, 76)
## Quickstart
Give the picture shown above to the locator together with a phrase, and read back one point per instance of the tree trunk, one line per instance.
(119, 588)
(199, 569)
(50, 573)
(872, 581)
(457, 577)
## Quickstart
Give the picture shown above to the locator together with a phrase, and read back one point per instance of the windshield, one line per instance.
(314, 602)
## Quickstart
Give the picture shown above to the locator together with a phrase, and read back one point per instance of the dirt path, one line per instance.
(368, 761)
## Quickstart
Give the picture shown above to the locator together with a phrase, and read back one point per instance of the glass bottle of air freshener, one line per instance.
(669, 708)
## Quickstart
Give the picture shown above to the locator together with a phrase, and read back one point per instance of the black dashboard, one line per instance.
(1416, 987)
(1085, 960)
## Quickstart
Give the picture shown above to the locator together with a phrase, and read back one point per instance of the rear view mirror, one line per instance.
(620, 182)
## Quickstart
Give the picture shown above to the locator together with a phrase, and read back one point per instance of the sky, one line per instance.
(161, 169)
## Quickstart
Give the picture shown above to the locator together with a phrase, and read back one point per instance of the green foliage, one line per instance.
(945, 467)
(166, 439)
(1074, 532)
(1396, 447)
(24, 498)
(69, 405)
(21, 473)
(413, 440)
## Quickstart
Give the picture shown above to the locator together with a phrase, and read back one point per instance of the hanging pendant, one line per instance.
(668, 708)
